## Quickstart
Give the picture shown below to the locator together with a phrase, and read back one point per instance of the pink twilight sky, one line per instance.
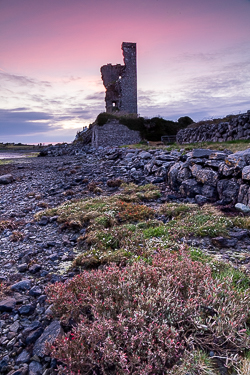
(193, 58)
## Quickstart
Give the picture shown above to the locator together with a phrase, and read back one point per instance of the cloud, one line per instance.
(98, 96)
(22, 80)
(18, 122)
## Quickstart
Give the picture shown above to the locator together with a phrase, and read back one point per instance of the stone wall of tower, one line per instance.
(129, 79)
(120, 82)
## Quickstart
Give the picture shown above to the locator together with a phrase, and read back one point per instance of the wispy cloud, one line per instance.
(22, 80)
(98, 96)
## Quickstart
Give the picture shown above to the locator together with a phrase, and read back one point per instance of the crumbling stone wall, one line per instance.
(114, 134)
(120, 82)
(236, 128)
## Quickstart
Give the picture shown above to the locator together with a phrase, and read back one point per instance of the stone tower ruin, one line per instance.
(120, 82)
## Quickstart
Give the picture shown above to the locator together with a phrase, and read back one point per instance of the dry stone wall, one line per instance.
(200, 176)
(113, 133)
(236, 128)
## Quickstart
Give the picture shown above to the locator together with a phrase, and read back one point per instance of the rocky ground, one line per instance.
(35, 253)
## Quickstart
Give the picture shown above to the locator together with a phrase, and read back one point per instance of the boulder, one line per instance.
(236, 160)
(190, 188)
(207, 176)
(228, 190)
(244, 194)
(7, 304)
(21, 286)
(173, 176)
(145, 155)
(209, 192)
(242, 208)
(201, 153)
(224, 242)
(35, 368)
(50, 334)
(218, 155)
(6, 179)
(23, 357)
(246, 173)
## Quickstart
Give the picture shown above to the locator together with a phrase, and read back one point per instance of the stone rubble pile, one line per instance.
(203, 175)
(238, 127)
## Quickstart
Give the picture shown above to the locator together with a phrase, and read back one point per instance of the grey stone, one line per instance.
(23, 357)
(14, 327)
(6, 179)
(200, 199)
(33, 336)
(50, 334)
(242, 208)
(225, 170)
(246, 173)
(195, 169)
(34, 268)
(4, 363)
(21, 286)
(35, 291)
(209, 192)
(190, 188)
(145, 155)
(217, 155)
(35, 368)
(7, 304)
(240, 235)
(129, 155)
(207, 176)
(213, 163)
(244, 194)
(236, 160)
(43, 221)
(22, 267)
(228, 190)
(173, 175)
(201, 153)
(224, 242)
(33, 326)
(26, 309)
(183, 174)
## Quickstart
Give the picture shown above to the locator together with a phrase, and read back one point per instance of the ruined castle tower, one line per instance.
(120, 82)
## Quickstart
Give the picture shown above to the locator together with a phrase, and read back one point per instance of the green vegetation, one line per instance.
(156, 305)
(151, 129)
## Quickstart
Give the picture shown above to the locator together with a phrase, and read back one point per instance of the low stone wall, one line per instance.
(198, 176)
(238, 127)
(114, 134)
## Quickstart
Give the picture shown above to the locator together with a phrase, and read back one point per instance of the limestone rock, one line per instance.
(242, 208)
(190, 188)
(50, 334)
(228, 190)
(21, 285)
(6, 179)
(207, 176)
(7, 304)
(23, 357)
(246, 173)
(201, 153)
(35, 368)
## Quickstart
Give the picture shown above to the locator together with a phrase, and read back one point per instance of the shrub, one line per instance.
(150, 129)
(133, 212)
(114, 183)
(142, 318)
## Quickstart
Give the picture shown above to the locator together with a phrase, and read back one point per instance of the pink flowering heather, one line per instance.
(140, 319)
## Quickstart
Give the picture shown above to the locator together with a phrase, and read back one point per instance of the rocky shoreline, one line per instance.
(35, 253)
